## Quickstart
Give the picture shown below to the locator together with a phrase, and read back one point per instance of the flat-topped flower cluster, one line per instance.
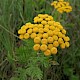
(47, 34)
(62, 6)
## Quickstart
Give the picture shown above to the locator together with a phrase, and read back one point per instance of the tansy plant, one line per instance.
(62, 6)
(47, 34)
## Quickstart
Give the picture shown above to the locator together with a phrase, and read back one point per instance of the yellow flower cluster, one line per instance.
(62, 6)
(47, 34)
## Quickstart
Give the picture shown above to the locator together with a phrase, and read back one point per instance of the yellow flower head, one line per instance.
(63, 31)
(60, 41)
(40, 20)
(55, 44)
(43, 47)
(66, 38)
(37, 40)
(44, 41)
(29, 31)
(26, 36)
(52, 28)
(51, 18)
(40, 26)
(41, 30)
(67, 44)
(21, 36)
(55, 37)
(43, 16)
(36, 47)
(50, 22)
(33, 35)
(60, 35)
(46, 29)
(43, 22)
(60, 0)
(21, 31)
(45, 35)
(54, 50)
(24, 27)
(47, 19)
(62, 45)
(50, 39)
(39, 35)
(47, 52)
(50, 33)
(35, 29)
(50, 46)
(46, 26)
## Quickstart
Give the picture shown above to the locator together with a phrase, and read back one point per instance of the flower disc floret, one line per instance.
(43, 47)
(37, 40)
(54, 50)
(47, 52)
(36, 47)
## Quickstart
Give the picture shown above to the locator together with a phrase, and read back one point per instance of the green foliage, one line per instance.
(18, 60)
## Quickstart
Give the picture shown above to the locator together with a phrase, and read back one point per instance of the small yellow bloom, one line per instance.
(63, 31)
(50, 23)
(35, 21)
(36, 18)
(43, 22)
(57, 29)
(50, 33)
(50, 17)
(50, 39)
(27, 24)
(21, 31)
(55, 32)
(46, 26)
(21, 36)
(55, 37)
(37, 40)
(42, 15)
(31, 26)
(50, 46)
(52, 28)
(26, 36)
(39, 35)
(45, 35)
(60, 27)
(36, 47)
(67, 44)
(66, 38)
(60, 41)
(47, 19)
(60, 35)
(35, 25)
(54, 50)
(35, 29)
(29, 31)
(47, 52)
(62, 45)
(40, 20)
(53, 3)
(33, 35)
(60, 0)
(24, 27)
(46, 29)
(55, 44)
(41, 30)
(44, 41)
(43, 47)
(40, 26)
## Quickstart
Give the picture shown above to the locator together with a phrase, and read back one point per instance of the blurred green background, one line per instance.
(15, 13)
